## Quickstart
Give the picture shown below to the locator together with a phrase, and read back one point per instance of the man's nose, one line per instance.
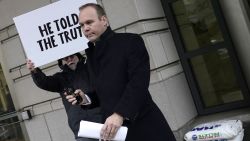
(86, 28)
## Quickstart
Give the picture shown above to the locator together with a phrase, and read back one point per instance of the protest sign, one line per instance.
(52, 32)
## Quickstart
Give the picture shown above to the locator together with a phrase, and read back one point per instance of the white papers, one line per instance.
(92, 130)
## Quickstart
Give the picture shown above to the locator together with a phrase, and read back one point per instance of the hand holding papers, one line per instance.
(92, 130)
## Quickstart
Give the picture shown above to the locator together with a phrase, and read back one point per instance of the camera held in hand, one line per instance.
(70, 91)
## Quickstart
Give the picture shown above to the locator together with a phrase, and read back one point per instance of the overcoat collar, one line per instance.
(95, 52)
(105, 36)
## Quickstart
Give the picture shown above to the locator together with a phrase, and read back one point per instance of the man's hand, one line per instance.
(111, 126)
(72, 98)
(30, 65)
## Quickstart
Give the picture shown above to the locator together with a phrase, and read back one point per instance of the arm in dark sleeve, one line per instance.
(135, 95)
(49, 83)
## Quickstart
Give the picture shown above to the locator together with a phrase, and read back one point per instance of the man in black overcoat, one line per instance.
(74, 75)
(119, 64)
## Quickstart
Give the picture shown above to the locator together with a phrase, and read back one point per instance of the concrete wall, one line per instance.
(168, 87)
(49, 123)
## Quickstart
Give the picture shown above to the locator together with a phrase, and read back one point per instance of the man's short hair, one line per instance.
(99, 9)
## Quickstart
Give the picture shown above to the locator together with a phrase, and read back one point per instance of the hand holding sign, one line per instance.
(30, 65)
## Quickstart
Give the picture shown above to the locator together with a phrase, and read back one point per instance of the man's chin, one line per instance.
(92, 39)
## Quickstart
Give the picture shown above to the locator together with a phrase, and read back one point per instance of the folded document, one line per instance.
(92, 130)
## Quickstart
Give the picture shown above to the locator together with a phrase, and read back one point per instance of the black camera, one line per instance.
(70, 91)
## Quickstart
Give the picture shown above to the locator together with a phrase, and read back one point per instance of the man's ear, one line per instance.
(105, 20)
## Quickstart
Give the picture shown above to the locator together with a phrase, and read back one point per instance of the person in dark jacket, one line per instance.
(120, 72)
(74, 75)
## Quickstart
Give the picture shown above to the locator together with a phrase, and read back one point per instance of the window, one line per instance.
(6, 104)
(207, 54)
(10, 125)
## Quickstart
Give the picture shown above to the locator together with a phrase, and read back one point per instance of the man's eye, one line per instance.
(89, 22)
(81, 25)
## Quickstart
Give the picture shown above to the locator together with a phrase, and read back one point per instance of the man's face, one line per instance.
(92, 25)
(71, 61)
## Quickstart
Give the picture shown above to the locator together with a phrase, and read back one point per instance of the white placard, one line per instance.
(52, 32)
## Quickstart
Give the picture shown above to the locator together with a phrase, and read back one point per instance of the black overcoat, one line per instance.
(77, 79)
(120, 69)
